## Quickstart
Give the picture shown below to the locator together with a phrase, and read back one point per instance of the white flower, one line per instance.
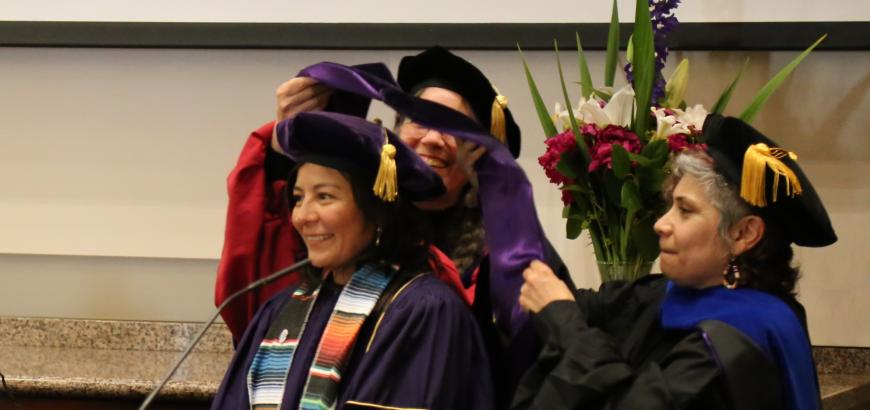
(592, 113)
(694, 115)
(620, 108)
(560, 115)
(618, 111)
(667, 125)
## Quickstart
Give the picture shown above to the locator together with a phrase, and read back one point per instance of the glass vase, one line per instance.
(627, 271)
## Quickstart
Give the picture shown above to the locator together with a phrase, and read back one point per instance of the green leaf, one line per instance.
(675, 88)
(613, 229)
(612, 48)
(765, 92)
(565, 166)
(572, 211)
(631, 196)
(656, 151)
(584, 151)
(723, 100)
(643, 66)
(576, 188)
(580, 209)
(573, 228)
(640, 159)
(612, 187)
(645, 238)
(540, 108)
(629, 49)
(585, 78)
(651, 179)
(604, 94)
(620, 161)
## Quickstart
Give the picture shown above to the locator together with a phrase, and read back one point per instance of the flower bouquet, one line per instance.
(609, 155)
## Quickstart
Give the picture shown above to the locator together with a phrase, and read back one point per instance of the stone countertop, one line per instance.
(100, 373)
(845, 391)
(73, 358)
(844, 376)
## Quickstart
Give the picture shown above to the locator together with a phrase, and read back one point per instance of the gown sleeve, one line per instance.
(258, 238)
(582, 367)
(426, 353)
(609, 301)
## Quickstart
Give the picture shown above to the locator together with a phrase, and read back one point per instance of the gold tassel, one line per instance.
(497, 126)
(386, 185)
(756, 160)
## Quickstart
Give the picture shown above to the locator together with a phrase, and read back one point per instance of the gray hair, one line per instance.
(721, 193)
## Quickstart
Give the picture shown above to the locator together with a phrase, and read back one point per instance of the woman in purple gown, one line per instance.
(369, 327)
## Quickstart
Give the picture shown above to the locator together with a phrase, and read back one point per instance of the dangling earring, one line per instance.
(378, 237)
(733, 271)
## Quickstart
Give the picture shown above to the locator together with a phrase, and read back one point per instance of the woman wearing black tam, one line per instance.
(721, 328)
(442, 77)
(367, 327)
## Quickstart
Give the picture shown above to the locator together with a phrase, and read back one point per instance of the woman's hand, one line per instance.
(467, 154)
(300, 94)
(542, 287)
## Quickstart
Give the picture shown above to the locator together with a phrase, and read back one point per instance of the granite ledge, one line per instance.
(115, 374)
(47, 387)
(845, 391)
(112, 334)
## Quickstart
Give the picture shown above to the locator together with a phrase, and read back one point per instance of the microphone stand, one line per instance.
(251, 286)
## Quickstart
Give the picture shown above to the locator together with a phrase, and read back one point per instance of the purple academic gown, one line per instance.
(427, 353)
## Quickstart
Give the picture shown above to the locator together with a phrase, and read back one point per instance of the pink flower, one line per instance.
(677, 142)
(680, 142)
(557, 146)
(602, 146)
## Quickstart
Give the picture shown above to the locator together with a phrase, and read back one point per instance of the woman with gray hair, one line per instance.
(720, 328)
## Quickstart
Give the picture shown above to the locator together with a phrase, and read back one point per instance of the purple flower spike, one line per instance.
(664, 20)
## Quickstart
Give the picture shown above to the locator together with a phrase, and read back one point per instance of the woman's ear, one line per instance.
(746, 233)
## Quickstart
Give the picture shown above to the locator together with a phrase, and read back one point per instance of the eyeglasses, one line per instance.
(417, 131)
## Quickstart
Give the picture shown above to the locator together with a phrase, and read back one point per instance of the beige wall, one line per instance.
(113, 162)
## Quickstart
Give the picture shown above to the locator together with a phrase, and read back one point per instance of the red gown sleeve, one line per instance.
(258, 238)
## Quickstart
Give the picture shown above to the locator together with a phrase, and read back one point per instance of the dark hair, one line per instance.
(767, 265)
(404, 235)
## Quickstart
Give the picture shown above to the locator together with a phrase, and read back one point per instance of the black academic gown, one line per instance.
(510, 357)
(426, 352)
(612, 353)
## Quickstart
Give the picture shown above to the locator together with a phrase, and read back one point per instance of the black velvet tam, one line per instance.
(802, 216)
(437, 67)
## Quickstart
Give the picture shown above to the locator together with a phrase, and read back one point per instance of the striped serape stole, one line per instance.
(354, 305)
(273, 358)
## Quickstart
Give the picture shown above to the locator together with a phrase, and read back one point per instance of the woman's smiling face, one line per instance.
(327, 217)
(438, 150)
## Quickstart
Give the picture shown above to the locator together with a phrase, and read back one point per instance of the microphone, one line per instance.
(251, 286)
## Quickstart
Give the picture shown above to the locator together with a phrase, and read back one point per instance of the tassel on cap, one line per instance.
(497, 126)
(757, 159)
(386, 184)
